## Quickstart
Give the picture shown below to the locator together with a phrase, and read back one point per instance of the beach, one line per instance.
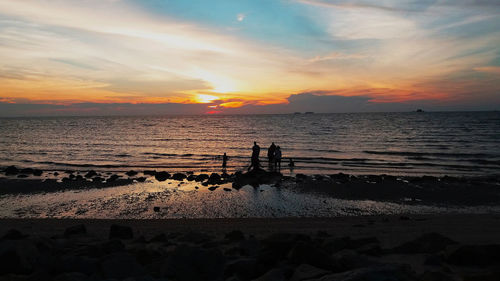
(259, 193)
(257, 225)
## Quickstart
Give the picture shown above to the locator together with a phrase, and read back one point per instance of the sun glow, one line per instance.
(206, 98)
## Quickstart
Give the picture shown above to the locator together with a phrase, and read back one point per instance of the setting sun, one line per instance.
(206, 98)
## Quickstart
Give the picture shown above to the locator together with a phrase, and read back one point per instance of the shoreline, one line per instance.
(444, 191)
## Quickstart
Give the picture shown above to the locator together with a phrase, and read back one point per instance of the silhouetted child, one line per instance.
(224, 160)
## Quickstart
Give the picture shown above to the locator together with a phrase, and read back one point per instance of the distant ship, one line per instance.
(420, 110)
(309, 112)
(297, 113)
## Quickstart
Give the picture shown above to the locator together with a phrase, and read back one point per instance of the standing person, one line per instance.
(270, 153)
(277, 157)
(255, 156)
(224, 160)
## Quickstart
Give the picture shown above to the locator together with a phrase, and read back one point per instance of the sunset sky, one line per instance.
(69, 57)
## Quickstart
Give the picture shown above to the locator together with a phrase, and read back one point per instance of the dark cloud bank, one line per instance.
(312, 101)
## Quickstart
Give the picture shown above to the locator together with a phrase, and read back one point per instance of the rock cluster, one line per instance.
(78, 255)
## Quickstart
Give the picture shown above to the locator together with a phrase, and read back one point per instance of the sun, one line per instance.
(206, 98)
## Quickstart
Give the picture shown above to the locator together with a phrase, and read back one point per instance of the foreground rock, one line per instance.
(78, 255)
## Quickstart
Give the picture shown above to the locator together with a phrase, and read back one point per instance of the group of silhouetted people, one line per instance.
(274, 156)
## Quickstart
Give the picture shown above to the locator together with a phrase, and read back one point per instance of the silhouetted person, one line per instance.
(291, 164)
(270, 153)
(255, 156)
(224, 160)
(277, 157)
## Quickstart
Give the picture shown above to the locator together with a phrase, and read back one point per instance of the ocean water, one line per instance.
(427, 143)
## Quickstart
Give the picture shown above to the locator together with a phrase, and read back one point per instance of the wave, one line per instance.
(436, 154)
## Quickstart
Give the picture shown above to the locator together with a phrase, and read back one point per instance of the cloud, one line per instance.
(240, 17)
(488, 69)
(320, 101)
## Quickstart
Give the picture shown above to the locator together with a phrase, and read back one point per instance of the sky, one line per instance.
(100, 57)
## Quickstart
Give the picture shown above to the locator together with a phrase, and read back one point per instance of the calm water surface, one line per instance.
(458, 143)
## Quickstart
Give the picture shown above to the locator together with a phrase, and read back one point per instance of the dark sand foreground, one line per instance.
(424, 247)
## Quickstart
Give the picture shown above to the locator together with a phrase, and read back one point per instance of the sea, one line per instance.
(410, 143)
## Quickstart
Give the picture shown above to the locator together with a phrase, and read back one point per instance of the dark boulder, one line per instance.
(22, 176)
(140, 179)
(340, 178)
(156, 209)
(307, 252)
(235, 235)
(255, 178)
(27, 171)
(276, 247)
(191, 177)
(383, 272)
(131, 173)
(275, 274)
(307, 272)
(13, 234)
(91, 174)
(97, 180)
(11, 170)
(70, 263)
(113, 178)
(475, 255)
(162, 176)
(334, 245)
(201, 177)
(18, 256)
(120, 232)
(187, 263)
(37, 172)
(112, 246)
(149, 172)
(438, 276)
(214, 179)
(242, 269)
(179, 176)
(428, 243)
(350, 259)
(160, 238)
(121, 266)
(70, 276)
(213, 187)
(79, 229)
